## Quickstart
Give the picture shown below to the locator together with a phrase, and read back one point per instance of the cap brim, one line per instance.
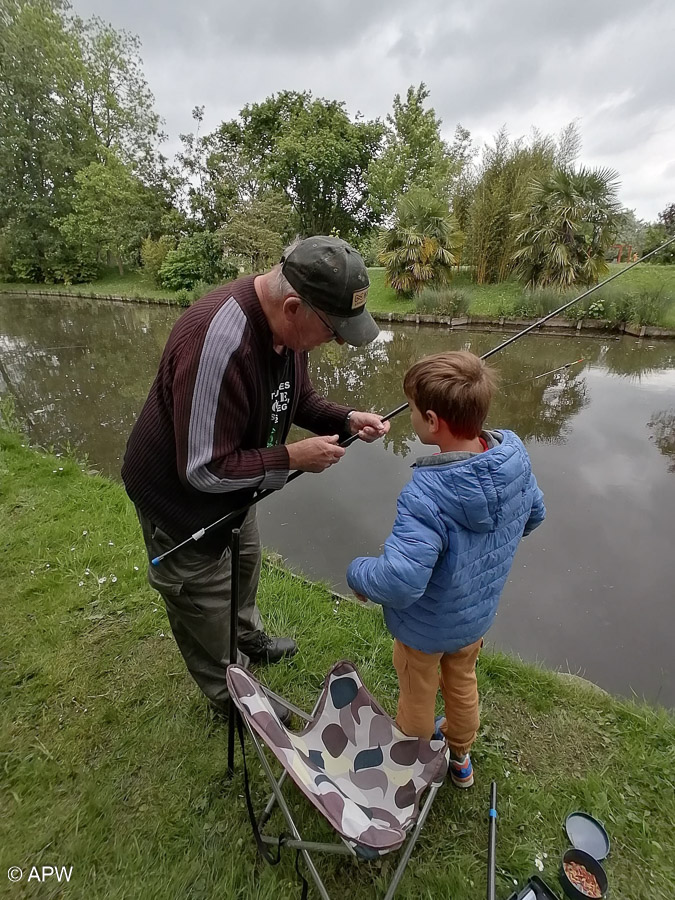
(355, 330)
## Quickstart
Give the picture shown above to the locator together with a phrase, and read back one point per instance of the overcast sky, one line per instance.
(608, 65)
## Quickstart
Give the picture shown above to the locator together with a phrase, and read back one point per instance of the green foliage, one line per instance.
(311, 151)
(571, 221)
(534, 304)
(111, 211)
(654, 237)
(500, 193)
(443, 301)
(422, 246)
(153, 254)
(414, 154)
(69, 92)
(259, 230)
(198, 257)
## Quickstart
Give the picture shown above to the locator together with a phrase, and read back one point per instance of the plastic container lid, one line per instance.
(586, 833)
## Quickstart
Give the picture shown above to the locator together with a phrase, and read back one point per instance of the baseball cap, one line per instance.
(331, 276)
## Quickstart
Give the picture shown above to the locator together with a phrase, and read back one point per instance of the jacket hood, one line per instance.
(473, 489)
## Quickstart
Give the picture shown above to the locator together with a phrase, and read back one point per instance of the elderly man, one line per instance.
(232, 379)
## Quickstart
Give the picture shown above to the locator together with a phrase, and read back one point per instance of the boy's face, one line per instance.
(423, 424)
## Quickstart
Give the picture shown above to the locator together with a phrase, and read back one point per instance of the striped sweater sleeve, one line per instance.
(212, 406)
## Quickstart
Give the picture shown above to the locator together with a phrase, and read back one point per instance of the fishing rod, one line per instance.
(544, 374)
(198, 535)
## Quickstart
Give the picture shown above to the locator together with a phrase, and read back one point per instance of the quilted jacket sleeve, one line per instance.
(538, 513)
(400, 576)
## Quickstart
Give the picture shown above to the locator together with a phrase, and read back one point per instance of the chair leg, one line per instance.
(287, 815)
(400, 869)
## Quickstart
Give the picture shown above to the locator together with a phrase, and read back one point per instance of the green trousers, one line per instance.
(196, 590)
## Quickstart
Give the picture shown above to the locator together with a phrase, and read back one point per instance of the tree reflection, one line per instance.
(90, 393)
(662, 428)
(536, 408)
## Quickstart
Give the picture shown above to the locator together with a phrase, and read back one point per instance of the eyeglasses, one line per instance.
(328, 325)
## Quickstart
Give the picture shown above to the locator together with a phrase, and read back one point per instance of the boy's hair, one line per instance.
(458, 386)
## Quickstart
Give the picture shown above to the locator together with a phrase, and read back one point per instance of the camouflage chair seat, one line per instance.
(351, 760)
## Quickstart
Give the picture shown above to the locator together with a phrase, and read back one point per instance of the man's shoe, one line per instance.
(261, 648)
(222, 710)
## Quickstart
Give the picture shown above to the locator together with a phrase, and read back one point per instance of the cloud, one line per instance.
(608, 65)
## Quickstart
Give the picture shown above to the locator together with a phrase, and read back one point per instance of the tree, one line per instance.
(414, 154)
(42, 142)
(259, 230)
(112, 210)
(311, 151)
(667, 218)
(422, 245)
(69, 92)
(655, 235)
(501, 191)
(117, 101)
(572, 219)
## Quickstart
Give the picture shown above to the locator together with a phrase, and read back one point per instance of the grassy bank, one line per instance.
(651, 287)
(648, 292)
(112, 763)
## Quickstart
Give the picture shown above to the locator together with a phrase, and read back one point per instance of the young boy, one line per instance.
(460, 520)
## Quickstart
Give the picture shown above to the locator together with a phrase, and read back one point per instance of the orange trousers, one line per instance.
(419, 681)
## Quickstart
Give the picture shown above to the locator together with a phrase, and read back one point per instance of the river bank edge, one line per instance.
(555, 325)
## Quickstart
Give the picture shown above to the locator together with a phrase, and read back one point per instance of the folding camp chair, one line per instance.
(351, 761)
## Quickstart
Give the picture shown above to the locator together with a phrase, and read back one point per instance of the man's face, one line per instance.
(306, 327)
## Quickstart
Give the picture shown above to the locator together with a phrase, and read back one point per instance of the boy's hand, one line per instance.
(360, 597)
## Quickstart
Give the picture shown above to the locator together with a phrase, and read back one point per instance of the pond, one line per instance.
(592, 591)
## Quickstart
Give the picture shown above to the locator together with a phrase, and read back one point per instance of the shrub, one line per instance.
(153, 254)
(184, 297)
(198, 257)
(442, 301)
(650, 305)
(538, 302)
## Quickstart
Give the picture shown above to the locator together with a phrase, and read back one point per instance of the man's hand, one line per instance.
(360, 597)
(368, 426)
(315, 454)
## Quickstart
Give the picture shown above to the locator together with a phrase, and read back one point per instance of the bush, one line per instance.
(442, 301)
(650, 306)
(198, 257)
(153, 254)
(539, 302)
(184, 297)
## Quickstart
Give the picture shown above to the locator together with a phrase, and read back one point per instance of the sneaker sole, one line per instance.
(462, 783)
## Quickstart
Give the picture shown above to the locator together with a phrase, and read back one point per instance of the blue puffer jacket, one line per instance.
(454, 539)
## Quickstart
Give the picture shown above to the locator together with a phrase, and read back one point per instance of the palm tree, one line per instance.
(572, 220)
(422, 246)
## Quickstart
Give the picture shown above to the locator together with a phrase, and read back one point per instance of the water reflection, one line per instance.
(601, 434)
(662, 428)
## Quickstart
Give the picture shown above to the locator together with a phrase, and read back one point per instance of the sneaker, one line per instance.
(261, 648)
(461, 770)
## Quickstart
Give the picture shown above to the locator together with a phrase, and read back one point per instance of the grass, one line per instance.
(133, 284)
(112, 763)
(508, 298)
